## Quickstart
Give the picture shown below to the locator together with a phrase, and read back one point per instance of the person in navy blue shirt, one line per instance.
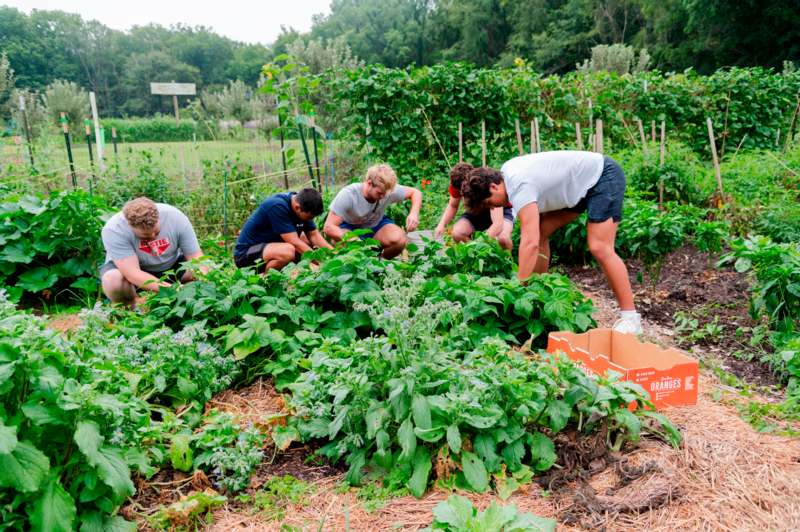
(280, 230)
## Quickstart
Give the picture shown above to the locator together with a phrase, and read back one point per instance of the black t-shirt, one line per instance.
(273, 218)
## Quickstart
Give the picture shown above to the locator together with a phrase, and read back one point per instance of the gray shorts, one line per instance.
(175, 270)
(604, 199)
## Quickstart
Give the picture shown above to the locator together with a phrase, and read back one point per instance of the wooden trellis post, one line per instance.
(714, 158)
(578, 137)
(599, 136)
(641, 135)
(460, 144)
(519, 137)
(483, 142)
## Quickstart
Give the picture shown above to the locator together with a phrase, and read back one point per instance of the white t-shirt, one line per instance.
(176, 237)
(554, 179)
(351, 205)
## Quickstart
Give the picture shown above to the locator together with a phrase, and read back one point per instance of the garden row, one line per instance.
(386, 366)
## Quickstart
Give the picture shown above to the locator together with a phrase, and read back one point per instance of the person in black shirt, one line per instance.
(280, 230)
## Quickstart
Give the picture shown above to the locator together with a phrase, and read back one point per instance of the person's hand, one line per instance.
(439, 231)
(505, 241)
(412, 222)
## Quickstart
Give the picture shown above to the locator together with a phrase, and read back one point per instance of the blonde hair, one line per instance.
(382, 175)
(141, 213)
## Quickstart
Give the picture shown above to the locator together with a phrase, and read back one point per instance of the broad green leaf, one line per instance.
(407, 439)
(454, 438)
(542, 451)
(19, 252)
(421, 412)
(628, 420)
(496, 516)
(97, 522)
(513, 454)
(430, 435)
(24, 468)
(44, 414)
(558, 411)
(111, 466)
(37, 279)
(474, 471)
(419, 478)
(485, 447)
(456, 511)
(528, 522)
(284, 436)
(8, 438)
(54, 510)
(180, 452)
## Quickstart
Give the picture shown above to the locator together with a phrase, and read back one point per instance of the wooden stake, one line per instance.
(663, 147)
(591, 126)
(533, 138)
(653, 131)
(460, 144)
(599, 136)
(661, 194)
(714, 156)
(65, 125)
(538, 139)
(578, 137)
(98, 141)
(778, 138)
(641, 135)
(519, 137)
(790, 135)
(483, 142)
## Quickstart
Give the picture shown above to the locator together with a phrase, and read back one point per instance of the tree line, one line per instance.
(550, 36)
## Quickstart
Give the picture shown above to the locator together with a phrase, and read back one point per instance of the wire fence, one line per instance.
(217, 184)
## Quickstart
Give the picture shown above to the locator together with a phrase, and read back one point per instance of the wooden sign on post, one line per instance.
(174, 89)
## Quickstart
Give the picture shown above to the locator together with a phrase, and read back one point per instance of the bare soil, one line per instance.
(689, 283)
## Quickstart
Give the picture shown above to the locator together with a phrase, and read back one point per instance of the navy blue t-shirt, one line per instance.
(273, 218)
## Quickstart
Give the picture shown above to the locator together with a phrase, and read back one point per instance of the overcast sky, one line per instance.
(251, 21)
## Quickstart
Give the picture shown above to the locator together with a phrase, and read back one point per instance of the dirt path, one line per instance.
(726, 476)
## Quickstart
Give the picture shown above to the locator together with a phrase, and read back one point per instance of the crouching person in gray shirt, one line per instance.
(363, 206)
(142, 243)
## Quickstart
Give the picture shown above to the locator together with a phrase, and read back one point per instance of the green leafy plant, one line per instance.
(457, 514)
(228, 453)
(277, 493)
(51, 245)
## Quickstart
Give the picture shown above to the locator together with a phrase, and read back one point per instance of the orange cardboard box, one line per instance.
(668, 375)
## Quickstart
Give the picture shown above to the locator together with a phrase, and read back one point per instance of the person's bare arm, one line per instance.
(197, 255)
(529, 242)
(496, 214)
(412, 220)
(130, 270)
(317, 240)
(447, 216)
(294, 239)
(333, 227)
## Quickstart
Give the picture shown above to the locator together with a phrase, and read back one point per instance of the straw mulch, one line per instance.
(726, 476)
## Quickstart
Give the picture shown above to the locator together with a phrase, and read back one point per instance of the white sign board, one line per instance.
(173, 89)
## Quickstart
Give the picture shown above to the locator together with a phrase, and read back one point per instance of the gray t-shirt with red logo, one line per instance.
(176, 237)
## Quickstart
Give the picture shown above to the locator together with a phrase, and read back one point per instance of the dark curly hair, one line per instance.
(475, 188)
(459, 173)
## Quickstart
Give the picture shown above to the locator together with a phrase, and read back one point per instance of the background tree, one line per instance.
(66, 97)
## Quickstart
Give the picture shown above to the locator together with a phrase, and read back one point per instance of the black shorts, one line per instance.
(174, 272)
(253, 254)
(604, 199)
(481, 221)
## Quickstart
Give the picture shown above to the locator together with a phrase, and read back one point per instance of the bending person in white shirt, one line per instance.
(549, 190)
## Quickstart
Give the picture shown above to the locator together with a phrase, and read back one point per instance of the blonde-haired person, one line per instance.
(143, 242)
(363, 206)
